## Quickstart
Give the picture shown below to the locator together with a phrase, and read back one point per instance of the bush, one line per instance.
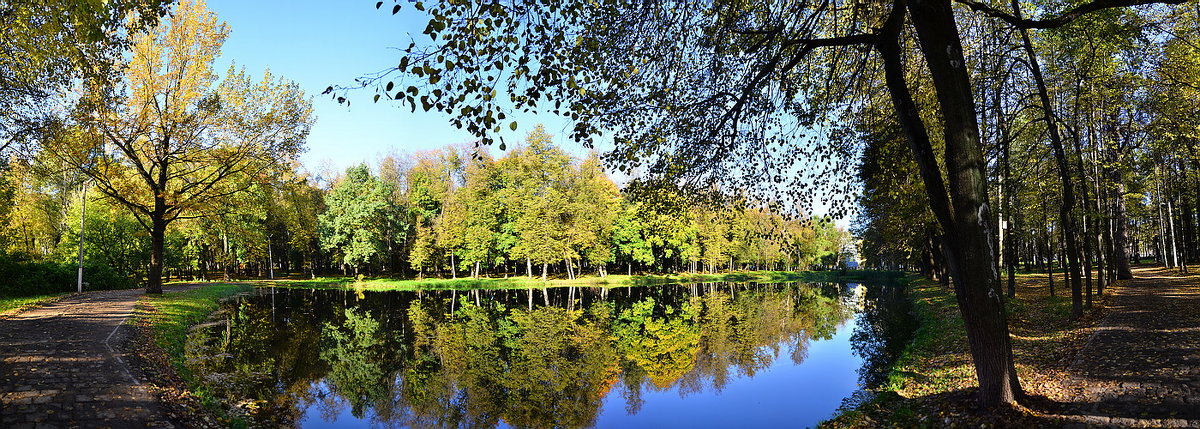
(20, 277)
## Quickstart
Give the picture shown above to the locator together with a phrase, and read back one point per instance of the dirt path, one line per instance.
(60, 366)
(1142, 365)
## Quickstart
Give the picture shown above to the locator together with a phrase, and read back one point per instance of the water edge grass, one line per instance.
(169, 316)
(933, 381)
(612, 280)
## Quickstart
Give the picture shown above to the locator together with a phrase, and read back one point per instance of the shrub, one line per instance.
(19, 277)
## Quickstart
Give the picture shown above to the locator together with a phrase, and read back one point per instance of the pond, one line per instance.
(707, 355)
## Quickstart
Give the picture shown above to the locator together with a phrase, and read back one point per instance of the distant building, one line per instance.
(850, 255)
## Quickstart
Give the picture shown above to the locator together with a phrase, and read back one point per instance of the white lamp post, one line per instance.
(82, 219)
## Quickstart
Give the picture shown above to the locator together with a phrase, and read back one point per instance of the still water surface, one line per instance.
(700, 355)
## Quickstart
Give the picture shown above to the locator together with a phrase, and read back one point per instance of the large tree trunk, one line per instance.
(158, 232)
(967, 225)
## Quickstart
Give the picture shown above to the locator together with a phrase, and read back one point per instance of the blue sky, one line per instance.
(322, 43)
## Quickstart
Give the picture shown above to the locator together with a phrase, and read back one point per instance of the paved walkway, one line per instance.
(60, 366)
(1142, 365)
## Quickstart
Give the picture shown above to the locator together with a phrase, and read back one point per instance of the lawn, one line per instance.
(13, 305)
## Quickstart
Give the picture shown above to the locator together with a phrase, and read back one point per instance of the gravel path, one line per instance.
(1142, 365)
(61, 365)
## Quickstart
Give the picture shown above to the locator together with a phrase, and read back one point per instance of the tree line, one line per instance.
(168, 168)
(461, 210)
(450, 212)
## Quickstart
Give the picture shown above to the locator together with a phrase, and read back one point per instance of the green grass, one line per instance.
(171, 314)
(935, 373)
(15, 304)
(612, 280)
(939, 330)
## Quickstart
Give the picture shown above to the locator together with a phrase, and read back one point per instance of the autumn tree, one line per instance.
(482, 225)
(169, 141)
(596, 204)
(49, 44)
(429, 184)
(541, 194)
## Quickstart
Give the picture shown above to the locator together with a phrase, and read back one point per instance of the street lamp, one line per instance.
(82, 220)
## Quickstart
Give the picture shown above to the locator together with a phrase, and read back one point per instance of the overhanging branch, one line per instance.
(1062, 19)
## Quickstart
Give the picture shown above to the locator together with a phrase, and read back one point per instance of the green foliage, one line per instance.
(112, 237)
(26, 278)
(629, 237)
(358, 215)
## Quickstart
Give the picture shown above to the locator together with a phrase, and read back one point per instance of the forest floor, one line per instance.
(63, 364)
(1118, 365)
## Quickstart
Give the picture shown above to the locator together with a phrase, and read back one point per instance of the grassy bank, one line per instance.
(162, 323)
(613, 280)
(13, 305)
(932, 383)
(168, 316)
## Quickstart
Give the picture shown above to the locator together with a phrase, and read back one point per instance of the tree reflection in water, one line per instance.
(482, 358)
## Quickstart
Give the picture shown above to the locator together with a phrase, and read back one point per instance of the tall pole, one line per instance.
(270, 263)
(82, 219)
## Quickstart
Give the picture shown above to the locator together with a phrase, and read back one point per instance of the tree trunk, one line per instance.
(158, 232)
(1048, 259)
(1006, 199)
(1174, 249)
(1098, 227)
(1120, 235)
(966, 219)
(1067, 208)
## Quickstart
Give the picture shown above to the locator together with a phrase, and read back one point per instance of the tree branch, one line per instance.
(1062, 19)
